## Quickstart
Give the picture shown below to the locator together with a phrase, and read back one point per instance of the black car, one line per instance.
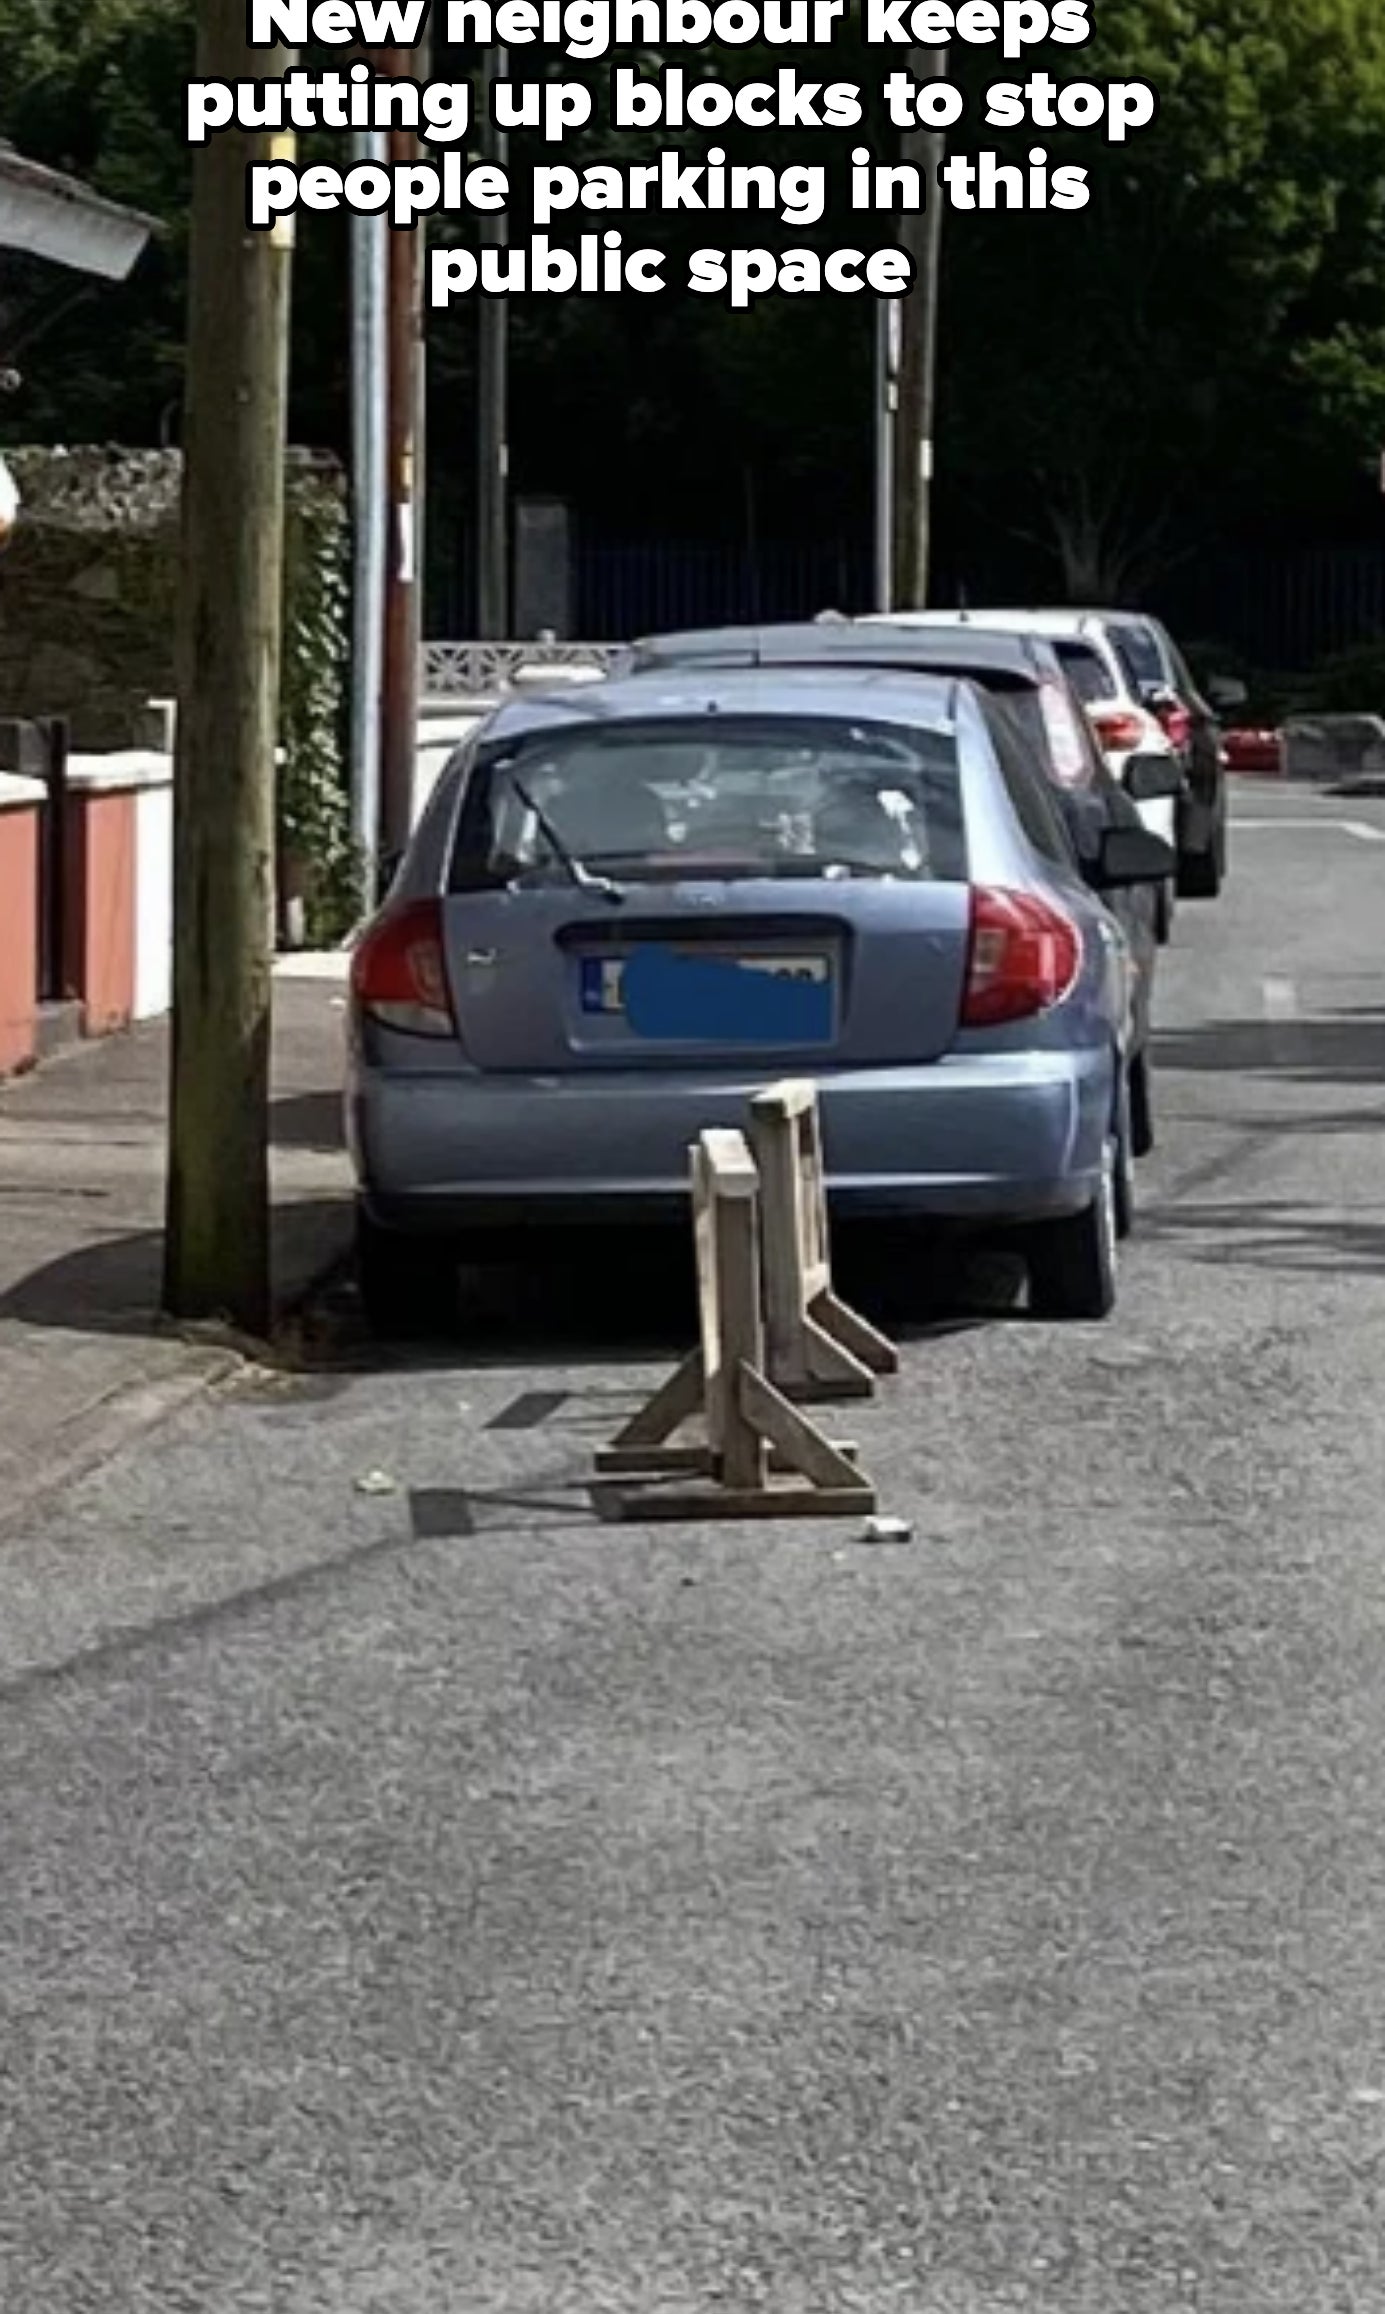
(1046, 746)
(1162, 681)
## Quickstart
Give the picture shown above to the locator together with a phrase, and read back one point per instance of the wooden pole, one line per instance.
(920, 234)
(216, 1262)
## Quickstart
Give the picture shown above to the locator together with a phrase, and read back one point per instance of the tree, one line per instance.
(1123, 380)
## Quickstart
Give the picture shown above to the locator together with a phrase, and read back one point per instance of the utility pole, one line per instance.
(886, 406)
(216, 1261)
(404, 458)
(370, 239)
(492, 411)
(920, 234)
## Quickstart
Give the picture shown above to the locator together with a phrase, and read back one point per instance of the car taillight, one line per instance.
(1176, 723)
(399, 971)
(1023, 956)
(1119, 730)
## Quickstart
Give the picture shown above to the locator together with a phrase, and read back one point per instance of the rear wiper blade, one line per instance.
(578, 873)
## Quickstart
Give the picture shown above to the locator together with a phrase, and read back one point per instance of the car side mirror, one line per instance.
(1227, 691)
(1152, 778)
(1132, 856)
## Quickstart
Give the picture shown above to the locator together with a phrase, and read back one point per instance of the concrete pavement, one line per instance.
(83, 1356)
(425, 1900)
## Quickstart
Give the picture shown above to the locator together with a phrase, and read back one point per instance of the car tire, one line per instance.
(408, 1285)
(1200, 873)
(1141, 1107)
(1072, 1262)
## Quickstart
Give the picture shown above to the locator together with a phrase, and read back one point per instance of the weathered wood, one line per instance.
(762, 1458)
(656, 1505)
(801, 1445)
(217, 1242)
(674, 1403)
(817, 1347)
(652, 1461)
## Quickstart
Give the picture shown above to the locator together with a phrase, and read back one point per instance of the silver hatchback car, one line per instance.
(627, 908)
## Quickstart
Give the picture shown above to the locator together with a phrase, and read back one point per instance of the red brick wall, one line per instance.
(101, 900)
(18, 935)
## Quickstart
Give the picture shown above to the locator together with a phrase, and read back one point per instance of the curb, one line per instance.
(112, 1421)
(108, 1424)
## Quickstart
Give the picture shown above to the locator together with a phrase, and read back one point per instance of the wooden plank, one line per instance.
(652, 1461)
(853, 1333)
(772, 1136)
(761, 1458)
(817, 1348)
(791, 1097)
(656, 1505)
(739, 1445)
(674, 1403)
(802, 1446)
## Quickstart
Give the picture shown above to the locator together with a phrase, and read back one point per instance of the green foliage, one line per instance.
(1352, 683)
(315, 845)
(1199, 341)
(95, 87)
(1202, 347)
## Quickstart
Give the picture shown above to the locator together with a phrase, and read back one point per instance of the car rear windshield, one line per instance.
(1024, 712)
(722, 796)
(1139, 654)
(1086, 670)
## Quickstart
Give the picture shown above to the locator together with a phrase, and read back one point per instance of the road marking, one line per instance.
(1360, 829)
(1280, 999)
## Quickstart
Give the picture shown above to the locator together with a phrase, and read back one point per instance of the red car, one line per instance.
(1252, 751)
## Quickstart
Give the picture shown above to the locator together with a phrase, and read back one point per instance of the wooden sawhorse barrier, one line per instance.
(818, 1348)
(761, 1458)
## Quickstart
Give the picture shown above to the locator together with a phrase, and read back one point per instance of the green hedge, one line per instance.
(317, 855)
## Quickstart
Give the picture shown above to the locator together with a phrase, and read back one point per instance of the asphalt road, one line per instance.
(425, 1901)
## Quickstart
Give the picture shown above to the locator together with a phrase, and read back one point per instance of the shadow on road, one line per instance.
(112, 1286)
(307, 1121)
(1341, 1050)
(1283, 1235)
(588, 1297)
(604, 1296)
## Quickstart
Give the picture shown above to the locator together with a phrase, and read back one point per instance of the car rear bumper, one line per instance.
(976, 1139)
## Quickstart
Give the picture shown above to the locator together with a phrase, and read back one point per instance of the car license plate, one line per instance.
(603, 977)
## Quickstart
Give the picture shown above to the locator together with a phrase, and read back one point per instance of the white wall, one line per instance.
(153, 901)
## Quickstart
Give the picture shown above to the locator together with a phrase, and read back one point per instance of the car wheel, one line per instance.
(408, 1285)
(1072, 1262)
(1141, 1107)
(1200, 873)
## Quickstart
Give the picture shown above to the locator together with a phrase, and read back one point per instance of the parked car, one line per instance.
(1190, 719)
(1024, 676)
(625, 909)
(1126, 724)
(1260, 749)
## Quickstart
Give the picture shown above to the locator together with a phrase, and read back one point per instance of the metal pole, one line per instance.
(920, 234)
(886, 400)
(370, 515)
(399, 696)
(492, 414)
